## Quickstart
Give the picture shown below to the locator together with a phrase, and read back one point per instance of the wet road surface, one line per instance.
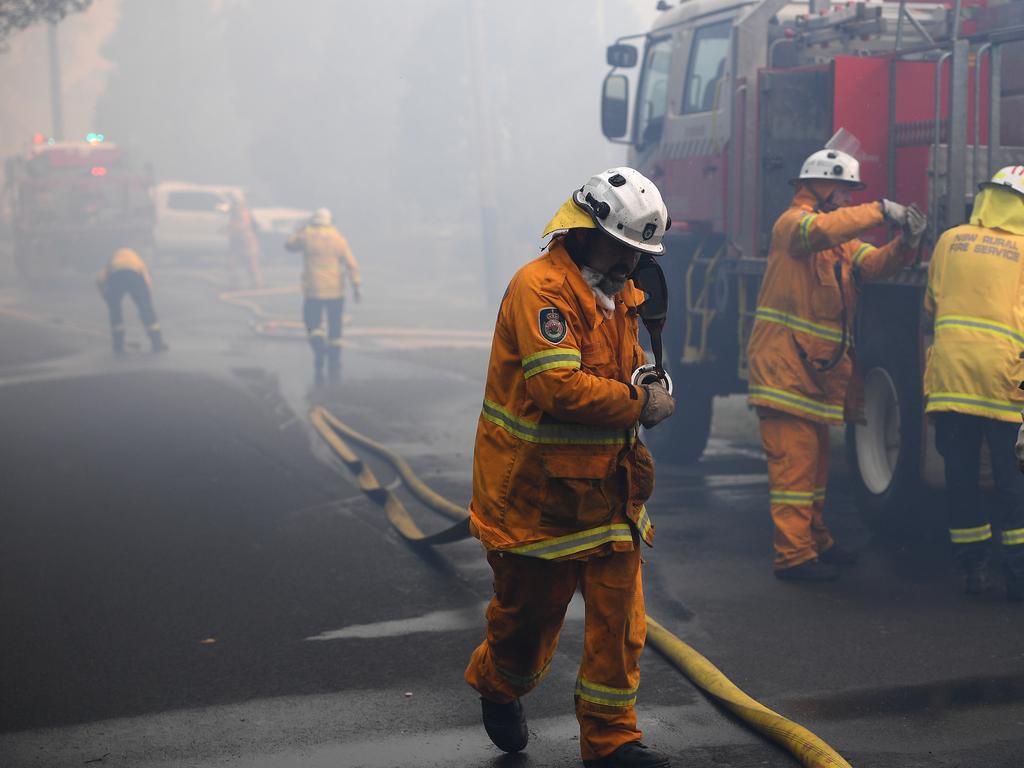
(188, 578)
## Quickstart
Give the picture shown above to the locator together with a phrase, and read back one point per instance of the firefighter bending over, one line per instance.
(559, 475)
(327, 259)
(975, 297)
(801, 352)
(126, 273)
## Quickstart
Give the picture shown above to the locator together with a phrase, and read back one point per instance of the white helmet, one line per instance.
(831, 165)
(321, 218)
(1011, 177)
(627, 205)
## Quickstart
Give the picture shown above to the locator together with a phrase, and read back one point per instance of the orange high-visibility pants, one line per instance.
(524, 619)
(797, 451)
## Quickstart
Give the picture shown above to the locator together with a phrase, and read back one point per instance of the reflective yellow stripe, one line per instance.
(552, 434)
(1016, 536)
(524, 681)
(562, 546)
(805, 229)
(797, 402)
(970, 535)
(984, 405)
(795, 323)
(979, 324)
(819, 494)
(862, 252)
(643, 523)
(792, 498)
(153, 327)
(605, 695)
(562, 357)
(317, 332)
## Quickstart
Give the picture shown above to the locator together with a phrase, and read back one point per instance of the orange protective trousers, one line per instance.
(524, 619)
(797, 451)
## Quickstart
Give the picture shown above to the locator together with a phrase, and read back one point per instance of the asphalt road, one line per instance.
(188, 578)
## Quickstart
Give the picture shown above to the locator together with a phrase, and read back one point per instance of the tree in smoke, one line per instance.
(19, 14)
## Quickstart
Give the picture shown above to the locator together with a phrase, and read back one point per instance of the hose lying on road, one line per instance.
(807, 748)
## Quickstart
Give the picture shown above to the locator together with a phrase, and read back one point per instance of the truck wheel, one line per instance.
(884, 454)
(682, 438)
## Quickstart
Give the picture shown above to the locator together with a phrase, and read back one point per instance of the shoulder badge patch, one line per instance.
(552, 325)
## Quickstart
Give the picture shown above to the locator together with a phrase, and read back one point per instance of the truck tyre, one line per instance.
(884, 454)
(682, 438)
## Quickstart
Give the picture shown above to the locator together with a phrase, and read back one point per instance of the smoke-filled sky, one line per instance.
(400, 115)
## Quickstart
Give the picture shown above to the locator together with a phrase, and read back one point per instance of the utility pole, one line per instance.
(485, 155)
(55, 87)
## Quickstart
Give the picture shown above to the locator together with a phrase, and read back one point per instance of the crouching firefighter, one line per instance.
(126, 273)
(560, 477)
(327, 258)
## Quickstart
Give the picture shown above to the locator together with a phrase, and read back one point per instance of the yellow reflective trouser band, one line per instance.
(862, 252)
(563, 546)
(562, 357)
(805, 229)
(643, 522)
(979, 324)
(524, 681)
(793, 498)
(153, 327)
(769, 315)
(798, 402)
(552, 434)
(994, 407)
(1014, 537)
(605, 694)
(970, 535)
(317, 332)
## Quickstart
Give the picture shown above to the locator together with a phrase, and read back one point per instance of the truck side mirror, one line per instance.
(621, 55)
(615, 106)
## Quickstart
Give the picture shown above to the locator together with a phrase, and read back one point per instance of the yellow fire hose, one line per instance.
(808, 749)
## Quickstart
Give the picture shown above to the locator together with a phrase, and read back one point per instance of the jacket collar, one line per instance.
(628, 298)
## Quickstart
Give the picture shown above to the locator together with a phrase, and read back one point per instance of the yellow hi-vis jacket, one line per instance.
(327, 258)
(975, 295)
(798, 325)
(558, 470)
(124, 259)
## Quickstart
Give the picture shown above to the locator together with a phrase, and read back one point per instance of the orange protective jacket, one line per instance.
(796, 355)
(327, 259)
(558, 470)
(124, 259)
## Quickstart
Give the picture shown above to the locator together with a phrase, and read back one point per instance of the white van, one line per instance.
(192, 218)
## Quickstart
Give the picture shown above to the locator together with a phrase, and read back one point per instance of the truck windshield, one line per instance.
(653, 93)
(707, 64)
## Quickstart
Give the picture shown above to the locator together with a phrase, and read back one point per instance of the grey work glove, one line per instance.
(914, 226)
(893, 212)
(1020, 446)
(659, 405)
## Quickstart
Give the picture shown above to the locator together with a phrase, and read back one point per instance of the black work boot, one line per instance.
(836, 555)
(156, 342)
(812, 570)
(334, 364)
(632, 754)
(117, 340)
(975, 578)
(505, 724)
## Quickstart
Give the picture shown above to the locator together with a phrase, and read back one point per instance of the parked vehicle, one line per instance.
(731, 96)
(192, 219)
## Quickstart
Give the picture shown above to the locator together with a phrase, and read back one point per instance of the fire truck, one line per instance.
(72, 203)
(729, 97)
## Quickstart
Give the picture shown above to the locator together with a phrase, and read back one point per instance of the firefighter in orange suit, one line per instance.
(975, 297)
(327, 260)
(800, 347)
(560, 477)
(126, 273)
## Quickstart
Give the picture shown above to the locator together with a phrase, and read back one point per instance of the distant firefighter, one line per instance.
(327, 259)
(126, 273)
(975, 295)
(243, 245)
